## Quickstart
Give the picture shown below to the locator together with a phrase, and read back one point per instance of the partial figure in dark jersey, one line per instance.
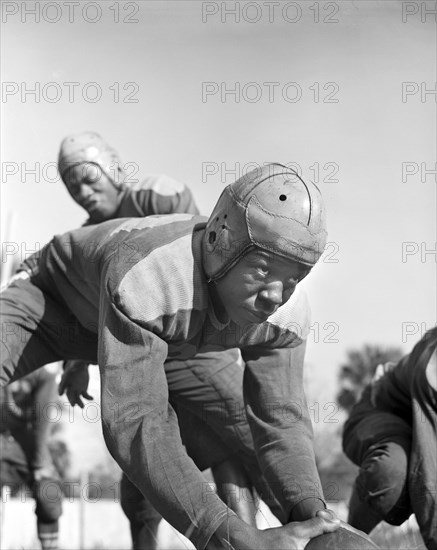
(25, 457)
(136, 295)
(391, 435)
(93, 174)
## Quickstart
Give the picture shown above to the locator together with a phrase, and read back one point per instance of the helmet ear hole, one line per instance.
(272, 208)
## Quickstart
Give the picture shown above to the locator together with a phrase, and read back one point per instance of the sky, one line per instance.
(204, 90)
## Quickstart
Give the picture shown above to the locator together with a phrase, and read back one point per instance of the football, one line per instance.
(345, 538)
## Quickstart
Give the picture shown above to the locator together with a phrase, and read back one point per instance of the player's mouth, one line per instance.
(91, 205)
(259, 316)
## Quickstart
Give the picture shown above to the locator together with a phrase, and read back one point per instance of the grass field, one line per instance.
(404, 537)
(102, 526)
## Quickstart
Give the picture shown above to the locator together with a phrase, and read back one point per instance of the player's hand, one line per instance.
(74, 382)
(234, 533)
(296, 535)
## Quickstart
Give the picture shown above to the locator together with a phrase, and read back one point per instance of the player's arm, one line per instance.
(281, 427)
(141, 429)
(27, 268)
(142, 434)
(164, 195)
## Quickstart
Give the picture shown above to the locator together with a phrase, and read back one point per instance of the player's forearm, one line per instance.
(142, 432)
(288, 463)
(282, 431)
(147, 446)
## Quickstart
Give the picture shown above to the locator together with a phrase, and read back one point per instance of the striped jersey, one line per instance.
(150, 270)
(155, 195)
(139, 284)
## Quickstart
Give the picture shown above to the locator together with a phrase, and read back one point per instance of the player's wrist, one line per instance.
(235, 533)
(307, 509)
(73, 365)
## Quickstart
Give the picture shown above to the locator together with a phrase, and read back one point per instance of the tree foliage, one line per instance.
(358, 370)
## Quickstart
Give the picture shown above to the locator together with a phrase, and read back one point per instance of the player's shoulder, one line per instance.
(161, 184)
(163, 271)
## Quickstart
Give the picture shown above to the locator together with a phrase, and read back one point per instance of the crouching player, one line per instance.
(25, 458)
(132, 293)
(92, 173)
(391, 435)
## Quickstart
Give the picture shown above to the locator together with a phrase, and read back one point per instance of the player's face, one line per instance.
(91, 188)
(257, 286)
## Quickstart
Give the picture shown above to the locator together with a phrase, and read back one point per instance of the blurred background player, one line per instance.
(391, 435)
(93, 174)
(25, 458)
(95, 178)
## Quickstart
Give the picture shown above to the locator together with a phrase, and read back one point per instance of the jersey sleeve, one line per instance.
(162, 194)
(30, 264)
(281, 427)
(141, 428)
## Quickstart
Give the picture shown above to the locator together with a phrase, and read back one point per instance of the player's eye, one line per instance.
(90, 174)
(89, 180)
(74, 188)
(262, 270)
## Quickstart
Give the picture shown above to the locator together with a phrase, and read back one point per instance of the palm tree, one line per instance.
(358, 370)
